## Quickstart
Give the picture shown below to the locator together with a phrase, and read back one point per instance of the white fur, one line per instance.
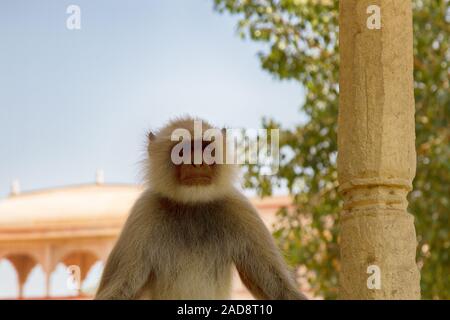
(161, 175)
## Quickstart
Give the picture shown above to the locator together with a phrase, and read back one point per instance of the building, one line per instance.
(76, 226)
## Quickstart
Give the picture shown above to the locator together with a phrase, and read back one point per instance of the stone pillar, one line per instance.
(377, 160)
(21, 285)
(48, 266)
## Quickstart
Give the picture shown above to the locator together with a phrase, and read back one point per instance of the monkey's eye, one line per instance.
(207, 143)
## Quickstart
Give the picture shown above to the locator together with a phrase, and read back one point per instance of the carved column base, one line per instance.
(375, 222)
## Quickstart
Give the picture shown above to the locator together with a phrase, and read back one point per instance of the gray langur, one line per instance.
(186, 232)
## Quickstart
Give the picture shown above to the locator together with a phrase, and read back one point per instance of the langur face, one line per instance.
(189, 167)
(192, 174)
(195, 174)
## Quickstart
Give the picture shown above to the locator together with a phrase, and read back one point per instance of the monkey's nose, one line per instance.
(200, 166)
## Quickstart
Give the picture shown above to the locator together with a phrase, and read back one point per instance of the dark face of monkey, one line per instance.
(192, 174)
(195, 174)
(189, 181)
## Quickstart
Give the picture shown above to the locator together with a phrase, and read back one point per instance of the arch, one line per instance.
(84, 259)
(35, 286)
(9, 284)
(58, 278)
(23, 263)
(58, 282)
(5, 254)
(92, 280)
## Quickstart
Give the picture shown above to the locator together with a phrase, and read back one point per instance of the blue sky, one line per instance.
(72, 101)
(75, 101)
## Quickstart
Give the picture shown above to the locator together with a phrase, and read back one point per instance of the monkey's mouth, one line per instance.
(191, 175)
(198, 180)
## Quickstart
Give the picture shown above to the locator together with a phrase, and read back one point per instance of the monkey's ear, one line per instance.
(151, 136)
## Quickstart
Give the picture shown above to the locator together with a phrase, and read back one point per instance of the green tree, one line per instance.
(300, 42)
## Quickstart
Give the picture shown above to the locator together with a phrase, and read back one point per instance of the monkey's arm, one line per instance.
(129, 264)
(258, 260)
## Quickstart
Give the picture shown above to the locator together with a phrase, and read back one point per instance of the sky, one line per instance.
(75, 101)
